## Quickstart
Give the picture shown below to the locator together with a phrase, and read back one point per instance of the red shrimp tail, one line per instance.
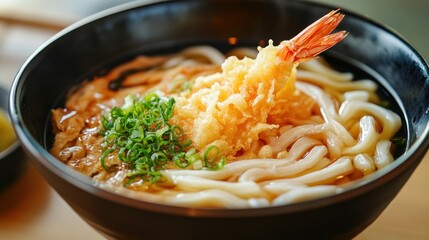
(314, 39)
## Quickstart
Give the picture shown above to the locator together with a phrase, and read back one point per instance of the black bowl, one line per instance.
(111, 36)
(12, 159)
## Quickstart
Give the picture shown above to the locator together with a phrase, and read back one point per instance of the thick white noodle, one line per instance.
(243, 52)
(324, 70)
(293, 134)
(339, 168)
(390, 121)
(321, 80)
(367, 138)
(210, 197)
(246, 189)
(382, 155)
(364, 163)
(304, 194)
(210, 53)
(325, 102)
(310, 160)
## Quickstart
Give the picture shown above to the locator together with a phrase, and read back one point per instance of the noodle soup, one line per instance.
(241, 129)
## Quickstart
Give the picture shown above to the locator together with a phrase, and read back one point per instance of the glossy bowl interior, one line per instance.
(12, 158)
(86, 48)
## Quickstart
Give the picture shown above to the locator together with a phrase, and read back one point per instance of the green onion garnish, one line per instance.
(140, 134)
(384, 103)
(399, 141)
(210, 158)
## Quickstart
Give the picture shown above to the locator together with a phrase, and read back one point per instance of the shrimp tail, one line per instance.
(314, 39)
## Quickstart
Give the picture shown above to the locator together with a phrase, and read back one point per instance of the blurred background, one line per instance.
(30, 209)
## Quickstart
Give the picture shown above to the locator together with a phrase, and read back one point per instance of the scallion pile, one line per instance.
(141, 135)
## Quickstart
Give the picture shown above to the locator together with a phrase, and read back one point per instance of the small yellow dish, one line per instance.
(7, 135)
(12, 158)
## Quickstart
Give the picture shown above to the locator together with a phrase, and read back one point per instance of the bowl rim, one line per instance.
(87, 184)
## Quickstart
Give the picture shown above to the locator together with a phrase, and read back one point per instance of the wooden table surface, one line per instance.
(31, 209)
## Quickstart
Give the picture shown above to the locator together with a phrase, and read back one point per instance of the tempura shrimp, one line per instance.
(230, 109)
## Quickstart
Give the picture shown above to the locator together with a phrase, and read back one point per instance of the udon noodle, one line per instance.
(276, 132)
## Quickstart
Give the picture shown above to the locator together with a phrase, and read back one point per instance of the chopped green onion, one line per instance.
(399, 141)
(384, 103)
(140, 134)
(210, 159)
(105, 153)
